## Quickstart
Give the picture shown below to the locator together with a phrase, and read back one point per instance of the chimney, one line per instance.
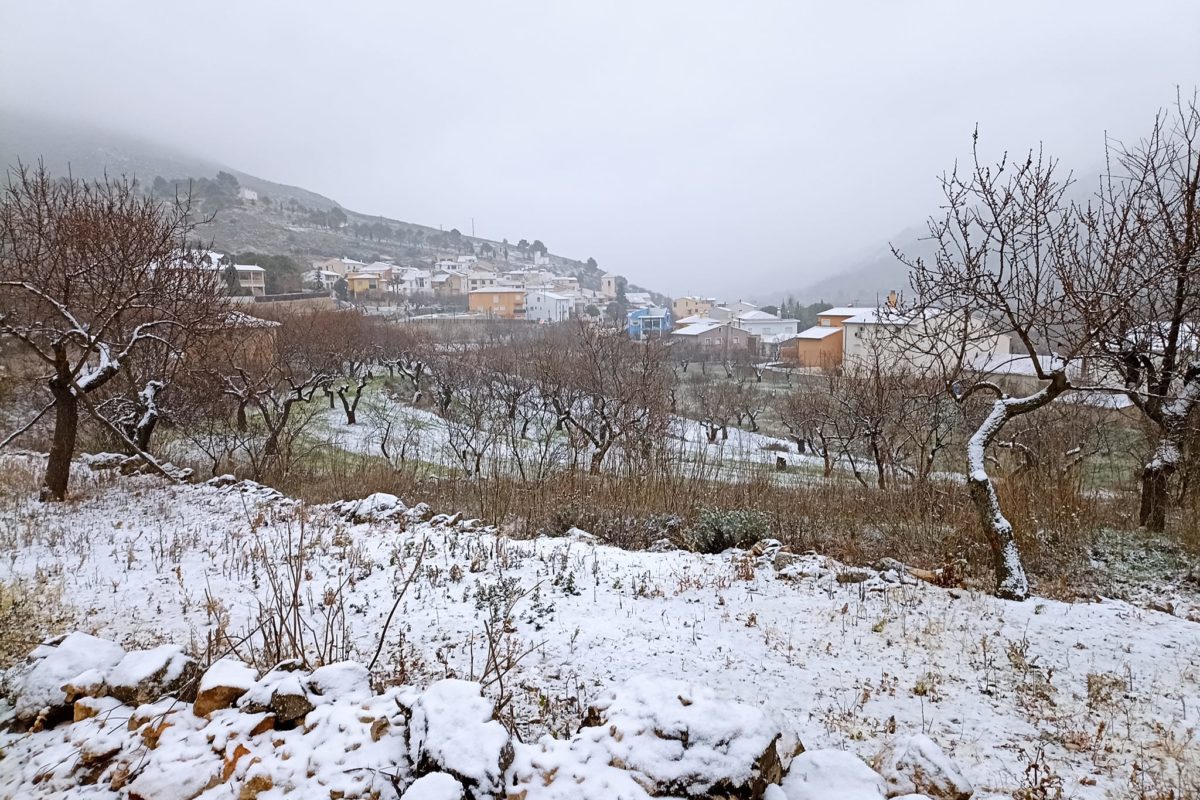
(893, 300)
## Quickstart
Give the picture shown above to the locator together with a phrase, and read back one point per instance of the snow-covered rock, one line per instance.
(434, 786)
(828, 774)
(450, 729)
(343, 680)
(143, 676)
(377, 507)
(222, 684)
(681, 738)
(912, 764)
(100, 461)
(38, 689)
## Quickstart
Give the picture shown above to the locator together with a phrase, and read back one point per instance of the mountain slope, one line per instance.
(281, 222)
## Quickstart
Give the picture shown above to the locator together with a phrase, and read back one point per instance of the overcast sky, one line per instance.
(712, 147)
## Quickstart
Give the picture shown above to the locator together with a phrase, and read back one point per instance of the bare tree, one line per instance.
(1013, 257)
(92, 275)
(1155, 344)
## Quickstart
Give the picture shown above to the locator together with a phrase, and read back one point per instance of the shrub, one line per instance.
(717, 529)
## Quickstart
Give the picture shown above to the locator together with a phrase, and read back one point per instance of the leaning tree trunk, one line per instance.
(62, 447)
(1011, 583)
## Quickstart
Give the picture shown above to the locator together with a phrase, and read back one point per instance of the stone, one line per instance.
(221, 686)
(144, 676)
(662, 545)
(89, 683)
(37, 687)
(829, 774)
(255, 785)
(290, 703)
(434, 786)
(682, 739)
(915, 764)
(451, 730)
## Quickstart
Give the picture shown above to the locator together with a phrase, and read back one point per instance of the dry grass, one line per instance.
(930, 525)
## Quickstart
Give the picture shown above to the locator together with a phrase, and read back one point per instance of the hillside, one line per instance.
(284, 221)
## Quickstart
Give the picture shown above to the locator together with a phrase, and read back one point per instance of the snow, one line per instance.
(54, 665)
(434, 786)
(165, 663)
(677, 733)
(228, 673)
(915, 763)
(826, 774)
(452, 727)
(834, 662)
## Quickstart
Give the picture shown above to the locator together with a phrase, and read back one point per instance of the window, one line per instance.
(495, 298)
(736, 340)
(708, 340)
(824, 322)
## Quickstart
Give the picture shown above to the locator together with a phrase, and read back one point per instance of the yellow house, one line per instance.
(500, 302)
(692, 306)
(361, 284)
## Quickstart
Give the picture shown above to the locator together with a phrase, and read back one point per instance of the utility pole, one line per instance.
(472, 227)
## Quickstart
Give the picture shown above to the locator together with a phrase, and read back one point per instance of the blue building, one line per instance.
(648, 323)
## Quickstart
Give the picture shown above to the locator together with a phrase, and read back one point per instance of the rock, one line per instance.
(223, 683)
(421, 512)
(450, 729)
(682, 739)
(766, 547)
(344, 680)
(289, 702)
(580, 535)
(143, 676)
(377, 507)
(854, 575)
(254, 785)
(915, 764)
(37, 689)
(89, 683)
(663, 545)
(88, 707)
(221, 481)
(434, 786)
(829, 774)
(100, 461)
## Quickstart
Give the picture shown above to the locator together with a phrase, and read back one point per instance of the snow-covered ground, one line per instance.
(842, 658)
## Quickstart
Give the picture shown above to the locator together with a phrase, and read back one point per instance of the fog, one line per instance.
(697, 147)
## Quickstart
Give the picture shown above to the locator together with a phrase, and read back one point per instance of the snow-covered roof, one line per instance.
(845, 311)
(696, 329)
(755, 314)
(885, 316)
(817, 332)
(238, 319)
(498, 289)
(248, 268)
(779, 338)
(544, 293)
(696, 318)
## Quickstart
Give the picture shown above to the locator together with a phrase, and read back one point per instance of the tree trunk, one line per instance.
(598, 458)
(1156, 476)
(62, 448)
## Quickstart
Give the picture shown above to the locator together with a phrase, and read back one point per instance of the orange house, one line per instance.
(820, 346)
(498, 302)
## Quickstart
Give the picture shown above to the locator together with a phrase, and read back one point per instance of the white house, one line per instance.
(321, 277)
(248, 194)
(762, 324)
(545, 306)
(894, 341)
(251, 278)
